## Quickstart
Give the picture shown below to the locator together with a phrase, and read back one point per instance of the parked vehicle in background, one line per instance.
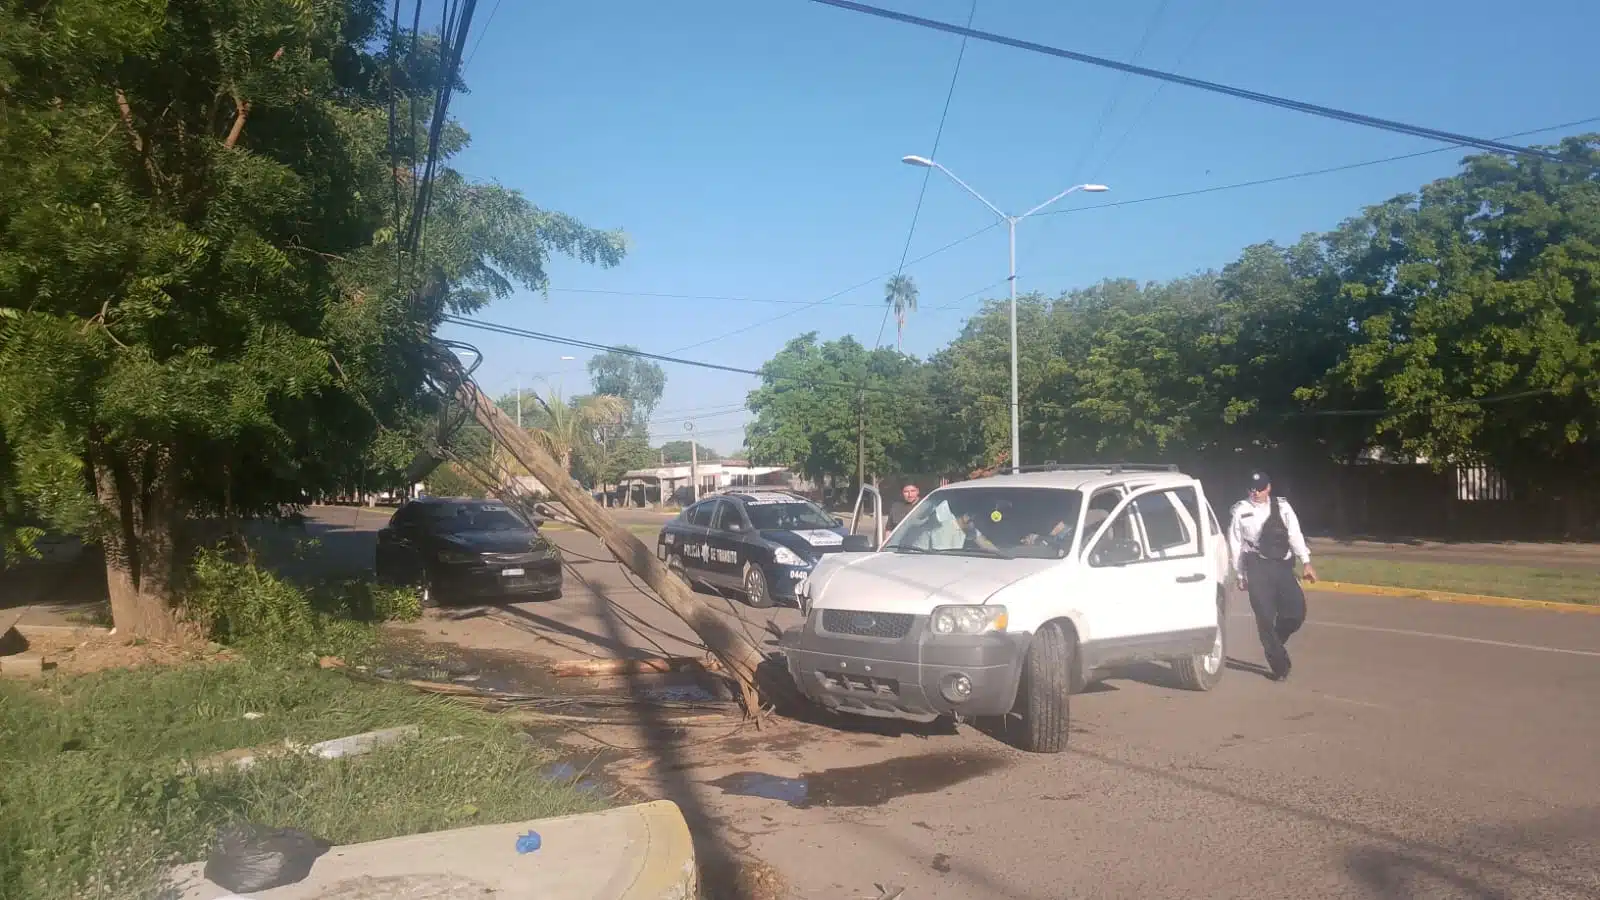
(457, 549)
(757, 543)
(1003, 595)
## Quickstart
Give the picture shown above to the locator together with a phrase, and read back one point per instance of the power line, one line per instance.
(479, 42)
(1138, 117)
(927, 173)
(1296, 175)
(1314, 109)
(858, 285)
(1036, 404)
(1122, 85)
(709, 297)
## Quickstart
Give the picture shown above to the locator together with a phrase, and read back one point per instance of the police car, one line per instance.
(758, 543)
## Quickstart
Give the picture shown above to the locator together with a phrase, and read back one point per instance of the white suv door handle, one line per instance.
(1191, 579)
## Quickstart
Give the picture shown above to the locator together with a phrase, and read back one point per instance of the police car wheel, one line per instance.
(756, 592)
(675, 565)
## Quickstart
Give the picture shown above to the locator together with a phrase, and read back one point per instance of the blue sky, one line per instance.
(751, 152)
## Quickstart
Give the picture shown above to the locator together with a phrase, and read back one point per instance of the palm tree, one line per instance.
(566, 426)
(900, 293)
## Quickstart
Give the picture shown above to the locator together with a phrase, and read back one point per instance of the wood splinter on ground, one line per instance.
(579, 668)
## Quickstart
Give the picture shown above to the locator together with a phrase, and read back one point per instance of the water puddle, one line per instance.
(873, 784)
(567, 773)
(495, 671)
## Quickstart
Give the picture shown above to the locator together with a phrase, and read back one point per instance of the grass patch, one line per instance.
(1518, 582)
(95, 799)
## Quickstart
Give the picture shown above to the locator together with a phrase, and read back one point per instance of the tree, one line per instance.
(179, 182)
(679, 452)
(566, 428)
(900, 294)
(818, 401)
(207, 307)
(636, 380)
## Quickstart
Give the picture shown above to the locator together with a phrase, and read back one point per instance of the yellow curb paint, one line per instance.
(1376, 590)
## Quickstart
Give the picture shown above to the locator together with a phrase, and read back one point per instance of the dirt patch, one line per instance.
(741, 879)
(78, 651)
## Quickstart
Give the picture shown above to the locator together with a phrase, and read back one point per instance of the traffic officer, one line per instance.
(1265, 541)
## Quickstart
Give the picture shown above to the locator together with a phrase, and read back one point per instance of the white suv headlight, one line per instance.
(783, 556)
(968, 619)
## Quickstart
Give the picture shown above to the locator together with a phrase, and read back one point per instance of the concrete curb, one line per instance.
(641, 852)
(1375, 590)
(669, 870)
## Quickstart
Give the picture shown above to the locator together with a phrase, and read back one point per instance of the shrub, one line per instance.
(240, 603)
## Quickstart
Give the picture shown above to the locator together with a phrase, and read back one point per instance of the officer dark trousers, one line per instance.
(1278, 603)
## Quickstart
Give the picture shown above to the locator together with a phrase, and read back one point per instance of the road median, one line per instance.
(1379, 590)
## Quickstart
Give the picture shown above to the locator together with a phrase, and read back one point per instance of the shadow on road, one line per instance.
(1392, 867)
(720, 864)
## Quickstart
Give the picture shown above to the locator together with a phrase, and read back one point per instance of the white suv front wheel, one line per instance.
(1202, 671)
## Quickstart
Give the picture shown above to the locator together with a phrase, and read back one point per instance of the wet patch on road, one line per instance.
(873, 784)
(941, 863)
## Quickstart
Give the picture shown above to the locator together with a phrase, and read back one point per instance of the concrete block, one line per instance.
(641, 852)
(26, 665)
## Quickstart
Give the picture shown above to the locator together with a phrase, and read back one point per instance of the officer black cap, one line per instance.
(1259, 480)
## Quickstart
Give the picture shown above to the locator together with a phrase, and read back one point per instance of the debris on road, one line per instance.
(365, 742)
(578, 668)
(248, 858)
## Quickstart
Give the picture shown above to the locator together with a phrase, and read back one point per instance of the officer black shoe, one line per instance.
(1280, 668)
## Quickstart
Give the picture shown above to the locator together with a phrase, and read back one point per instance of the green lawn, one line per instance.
(95, 798)
(1521, 582)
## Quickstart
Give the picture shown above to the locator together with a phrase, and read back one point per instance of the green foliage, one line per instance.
(812, 400)
(449, 481)
(900, 295)
(639, 382)
(203, 306)
(680, 452)
(98, 796)
(242, 604)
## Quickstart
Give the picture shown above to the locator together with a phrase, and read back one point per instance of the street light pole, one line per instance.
(1011, 229)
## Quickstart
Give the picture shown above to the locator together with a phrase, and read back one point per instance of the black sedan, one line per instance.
(757, 543)
(457, 549)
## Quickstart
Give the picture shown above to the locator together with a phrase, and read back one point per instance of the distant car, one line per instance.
(758, 543)
(462, 549)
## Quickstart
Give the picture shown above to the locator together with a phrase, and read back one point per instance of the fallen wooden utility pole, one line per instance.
(739, 655)
(583, 668)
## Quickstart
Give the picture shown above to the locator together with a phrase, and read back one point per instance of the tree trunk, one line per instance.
(739, 655)
(140, 552)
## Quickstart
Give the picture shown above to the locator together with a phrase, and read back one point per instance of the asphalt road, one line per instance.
(1420, 750)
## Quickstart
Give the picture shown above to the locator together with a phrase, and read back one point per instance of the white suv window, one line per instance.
(1170, 528)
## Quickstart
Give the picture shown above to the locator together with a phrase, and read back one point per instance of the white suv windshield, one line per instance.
(991, 521)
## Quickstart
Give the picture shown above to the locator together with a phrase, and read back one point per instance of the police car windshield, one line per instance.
(786, 515)
(462, 518)
(1000, 521)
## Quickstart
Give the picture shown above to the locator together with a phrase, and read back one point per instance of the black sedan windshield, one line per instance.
(463, 518)
(787, 516)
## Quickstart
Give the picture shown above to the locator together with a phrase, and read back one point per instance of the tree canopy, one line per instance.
(1459, 324)
(205, 303)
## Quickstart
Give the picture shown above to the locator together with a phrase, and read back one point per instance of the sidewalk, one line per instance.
(638, 852)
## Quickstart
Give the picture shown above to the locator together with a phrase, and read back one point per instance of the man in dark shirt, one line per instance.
(899, 509)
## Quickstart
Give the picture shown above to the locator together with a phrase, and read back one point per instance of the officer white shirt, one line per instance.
(1244, 532)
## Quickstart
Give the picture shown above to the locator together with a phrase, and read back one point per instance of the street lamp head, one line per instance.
(1095, 188)
(922, 161)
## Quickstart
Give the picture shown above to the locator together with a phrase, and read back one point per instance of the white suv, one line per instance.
(1003, 595)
